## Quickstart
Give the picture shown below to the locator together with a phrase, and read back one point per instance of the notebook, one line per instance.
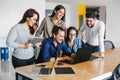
(64, 70)
(83, 54)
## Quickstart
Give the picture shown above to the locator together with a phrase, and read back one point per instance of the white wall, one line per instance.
(11, 12)
(113, 21)
(73, 15)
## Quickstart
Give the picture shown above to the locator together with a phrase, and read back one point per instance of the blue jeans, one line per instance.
(95, 48)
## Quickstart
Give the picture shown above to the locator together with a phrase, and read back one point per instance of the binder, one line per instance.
(4, 51)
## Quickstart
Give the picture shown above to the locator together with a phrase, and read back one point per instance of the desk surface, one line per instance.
(85, 70)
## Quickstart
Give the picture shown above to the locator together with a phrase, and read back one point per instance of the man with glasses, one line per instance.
(93, 31)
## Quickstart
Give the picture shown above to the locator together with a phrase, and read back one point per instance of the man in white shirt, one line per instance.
(93, 31)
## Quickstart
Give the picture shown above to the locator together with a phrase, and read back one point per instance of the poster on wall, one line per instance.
(48, 12)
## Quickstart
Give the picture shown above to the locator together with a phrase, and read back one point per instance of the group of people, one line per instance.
(59, 42)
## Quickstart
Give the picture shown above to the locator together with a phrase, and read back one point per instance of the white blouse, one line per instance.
(95, 35)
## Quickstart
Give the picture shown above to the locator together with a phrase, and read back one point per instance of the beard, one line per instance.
(90, 26)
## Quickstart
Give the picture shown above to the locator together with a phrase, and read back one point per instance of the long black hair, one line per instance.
(28, 14)
(58, 7)
(71, 28)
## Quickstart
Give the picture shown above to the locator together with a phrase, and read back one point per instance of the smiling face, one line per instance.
(72, 35)
(32, 20)
(59, 37)
(90, 22)
(59, 13)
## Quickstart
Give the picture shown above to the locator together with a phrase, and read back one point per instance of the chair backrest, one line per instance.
(116, 73)
(108, 45)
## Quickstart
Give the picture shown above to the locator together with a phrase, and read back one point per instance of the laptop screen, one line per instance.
(82, 54)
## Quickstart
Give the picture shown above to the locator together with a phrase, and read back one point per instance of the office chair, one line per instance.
(108, 45)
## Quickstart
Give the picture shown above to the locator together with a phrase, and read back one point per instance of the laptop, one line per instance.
(83, 54)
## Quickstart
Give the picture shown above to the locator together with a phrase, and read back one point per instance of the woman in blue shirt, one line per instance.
(73, 42)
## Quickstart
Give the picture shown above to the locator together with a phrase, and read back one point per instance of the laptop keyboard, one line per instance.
(66, 61)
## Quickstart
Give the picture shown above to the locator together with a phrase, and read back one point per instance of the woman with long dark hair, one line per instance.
(72, 40)
(19, 37)
(48, 22)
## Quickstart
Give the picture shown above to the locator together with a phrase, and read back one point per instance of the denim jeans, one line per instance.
(95, 48)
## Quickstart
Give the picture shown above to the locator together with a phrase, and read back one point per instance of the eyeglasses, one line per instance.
(72, 34)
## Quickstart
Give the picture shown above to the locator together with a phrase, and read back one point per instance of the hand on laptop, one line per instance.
(72, 55)
(62, 58)
(68, 58)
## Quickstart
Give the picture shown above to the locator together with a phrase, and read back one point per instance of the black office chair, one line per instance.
(108, 45)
